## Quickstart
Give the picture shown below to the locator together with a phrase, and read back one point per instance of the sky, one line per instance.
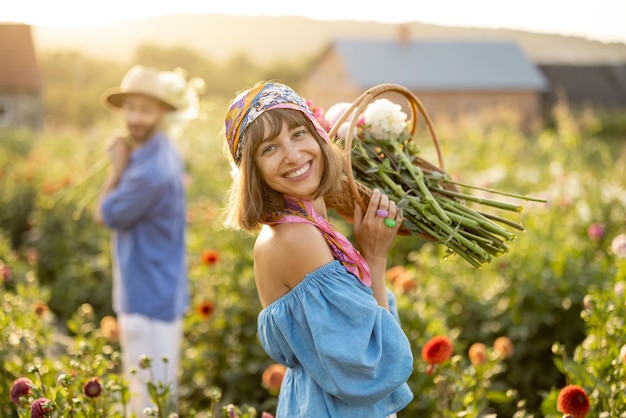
(603, 20)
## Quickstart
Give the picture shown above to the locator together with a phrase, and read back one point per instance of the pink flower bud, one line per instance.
(595, 231)
(21, 387)
(41, 408)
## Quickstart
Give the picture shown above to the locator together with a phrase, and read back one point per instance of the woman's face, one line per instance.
(291, 162)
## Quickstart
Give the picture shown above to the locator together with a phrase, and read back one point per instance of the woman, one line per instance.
(326, 311)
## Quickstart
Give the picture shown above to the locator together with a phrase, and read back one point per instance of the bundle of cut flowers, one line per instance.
(383, 156)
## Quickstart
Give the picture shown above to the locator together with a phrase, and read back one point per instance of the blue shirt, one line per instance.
(147, 213)
(345, 355)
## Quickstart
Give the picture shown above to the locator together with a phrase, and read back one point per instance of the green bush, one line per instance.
(17, 184)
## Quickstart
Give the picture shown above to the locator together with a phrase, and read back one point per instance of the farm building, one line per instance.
(20, 79)
(456, 81)
(601, 86)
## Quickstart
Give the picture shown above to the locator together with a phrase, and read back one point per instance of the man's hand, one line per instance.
(119, 152)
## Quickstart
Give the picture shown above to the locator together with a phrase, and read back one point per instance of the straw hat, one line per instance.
(139, 80)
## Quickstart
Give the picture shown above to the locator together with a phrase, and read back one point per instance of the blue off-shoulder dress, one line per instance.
(346, 356)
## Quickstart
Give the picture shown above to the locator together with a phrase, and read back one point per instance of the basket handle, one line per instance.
(359, 105)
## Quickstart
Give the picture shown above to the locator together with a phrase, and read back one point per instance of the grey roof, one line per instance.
(440, 65)
(587, 85)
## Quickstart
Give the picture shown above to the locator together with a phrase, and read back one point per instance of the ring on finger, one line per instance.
(391, 223)
(382, 213)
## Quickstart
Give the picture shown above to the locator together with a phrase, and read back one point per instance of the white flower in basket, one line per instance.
(385, 119)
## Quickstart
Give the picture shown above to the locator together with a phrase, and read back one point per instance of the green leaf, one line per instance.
(498, 396)
(403, 203)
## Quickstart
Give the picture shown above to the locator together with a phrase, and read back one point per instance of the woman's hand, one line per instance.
(373, 236)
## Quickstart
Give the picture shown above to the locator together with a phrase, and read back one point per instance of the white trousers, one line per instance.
(140, 335)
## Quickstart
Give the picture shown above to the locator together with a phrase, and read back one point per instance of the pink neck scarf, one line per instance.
(301, 211)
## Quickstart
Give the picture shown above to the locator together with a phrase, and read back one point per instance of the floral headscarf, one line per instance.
(251, 103)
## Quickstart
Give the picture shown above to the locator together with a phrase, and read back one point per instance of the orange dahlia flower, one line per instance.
(573, 400)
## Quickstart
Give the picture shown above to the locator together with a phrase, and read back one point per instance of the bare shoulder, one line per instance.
(284, 254)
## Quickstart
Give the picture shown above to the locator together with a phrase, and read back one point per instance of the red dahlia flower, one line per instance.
(206, 309)
(210, 257)
(573, 400)
(437, 350)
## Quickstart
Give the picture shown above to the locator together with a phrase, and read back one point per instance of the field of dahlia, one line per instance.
(538, 332)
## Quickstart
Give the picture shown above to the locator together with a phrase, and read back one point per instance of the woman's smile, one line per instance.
(299, 173)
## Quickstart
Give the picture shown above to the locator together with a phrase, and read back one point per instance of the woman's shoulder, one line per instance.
(284, 254)
(291, 240)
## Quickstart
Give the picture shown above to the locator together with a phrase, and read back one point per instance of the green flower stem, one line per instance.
(96, 169)
(503, 221)
(484, 223)
(494, 203)
(474, 261)
(493, 251)
(463, 220)
(418, 176)
(383, 176)
(527, 198)
(488, 240)
(450, 232)
(415, 172)
(87, 198)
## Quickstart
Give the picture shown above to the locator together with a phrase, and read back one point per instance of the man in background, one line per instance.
(143, 203)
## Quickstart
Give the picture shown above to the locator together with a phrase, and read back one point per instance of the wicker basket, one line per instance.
(351, 190)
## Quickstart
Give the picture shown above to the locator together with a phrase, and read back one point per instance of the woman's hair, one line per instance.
(249, 199)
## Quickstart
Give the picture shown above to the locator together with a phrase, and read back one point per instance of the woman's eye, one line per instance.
(299, 133)
(267, 149)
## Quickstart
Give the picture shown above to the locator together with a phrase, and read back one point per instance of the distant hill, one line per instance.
(267, 39)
